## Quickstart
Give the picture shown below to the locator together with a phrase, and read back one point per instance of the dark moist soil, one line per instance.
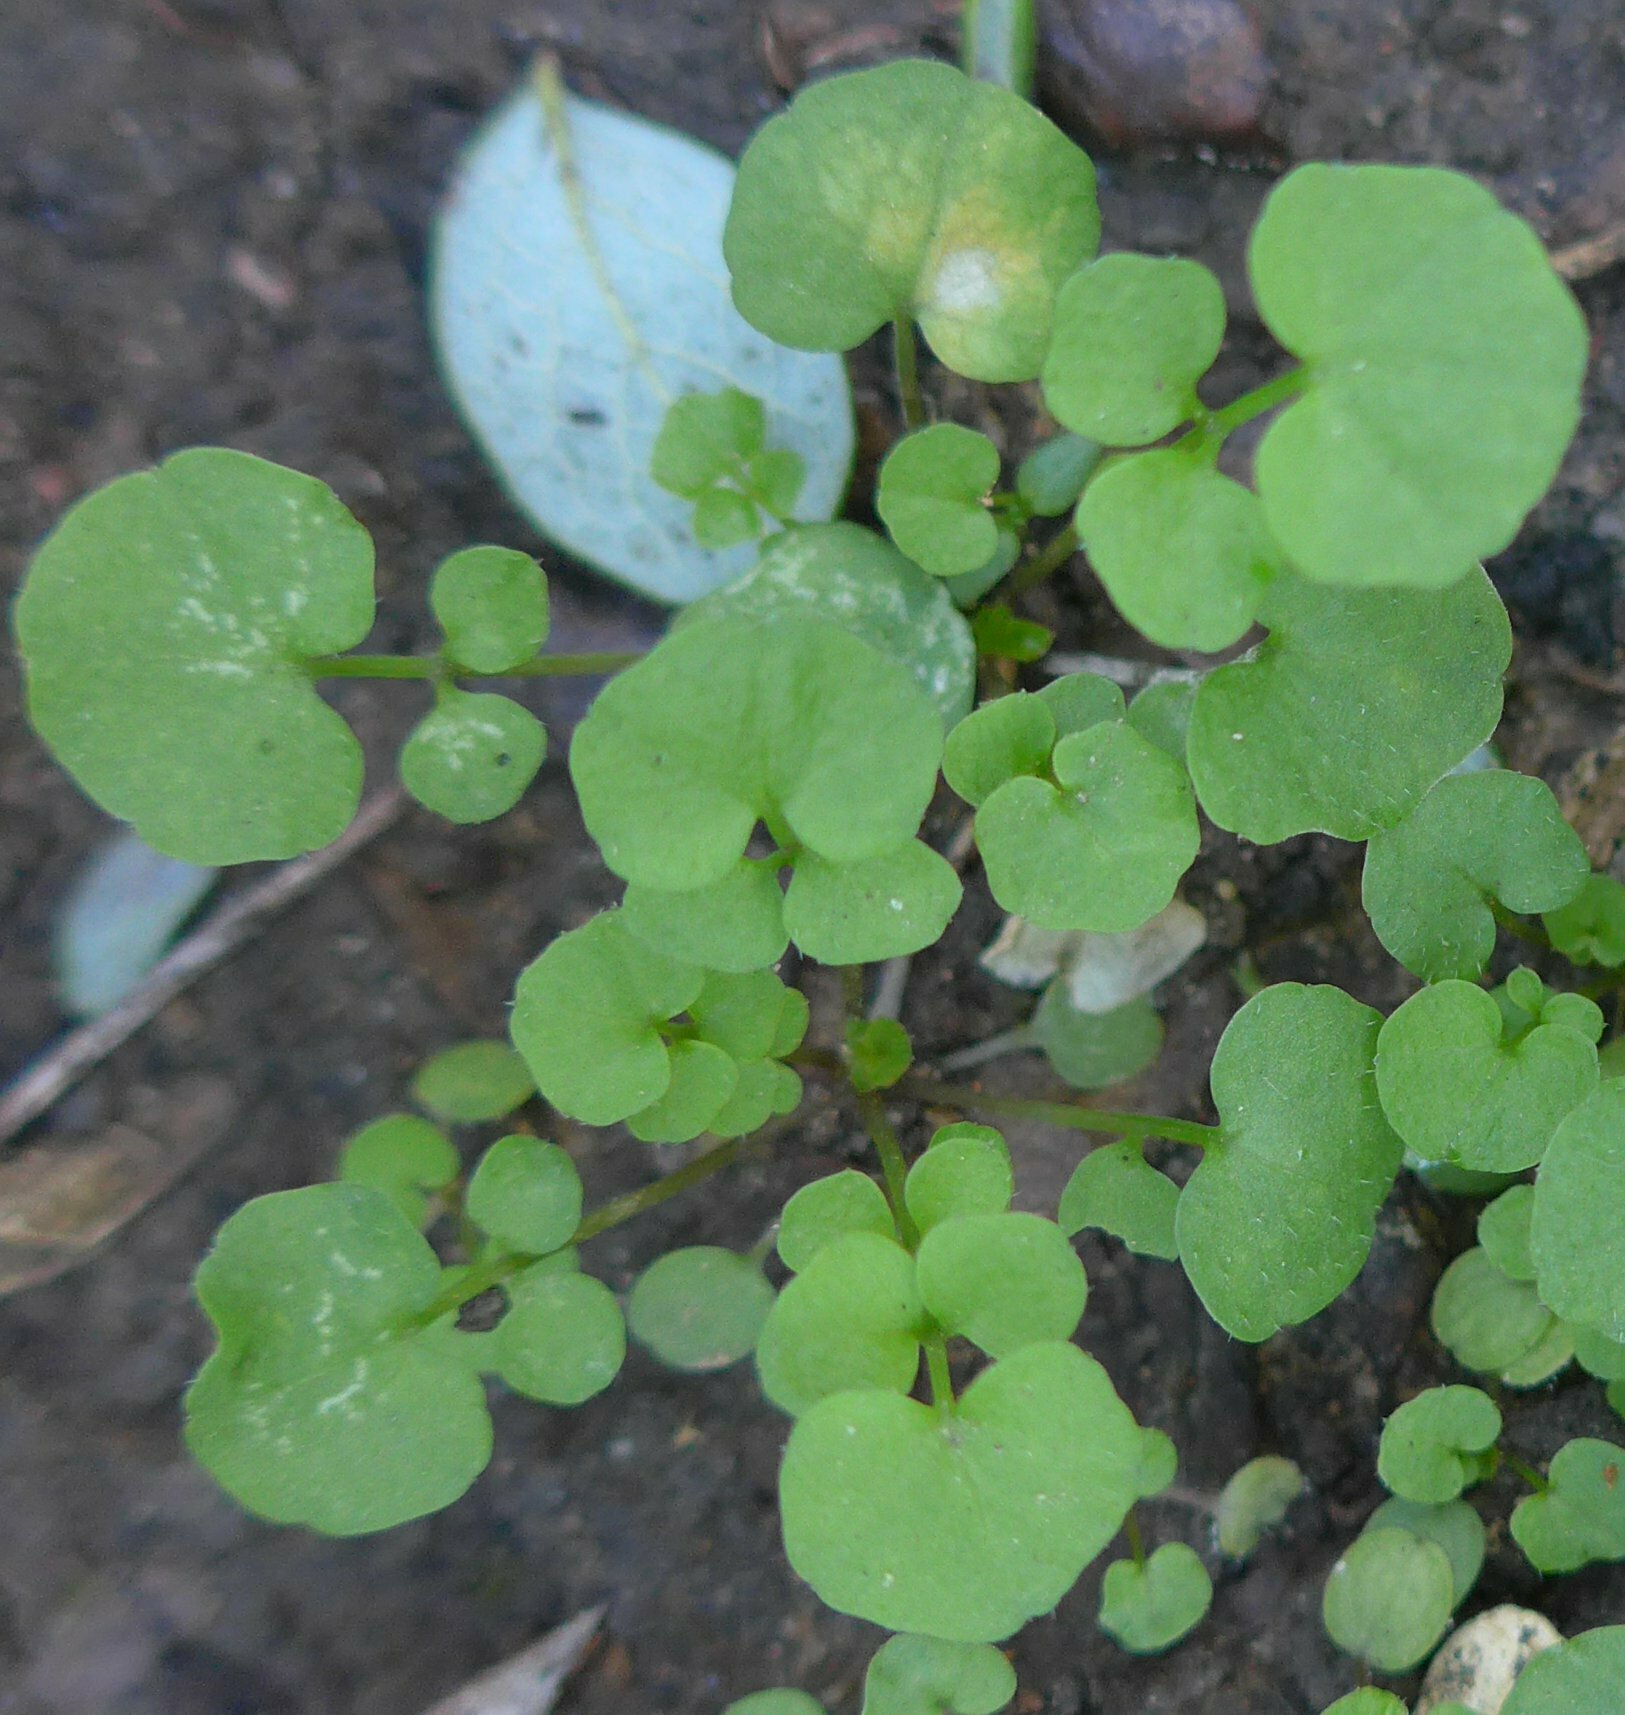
(213, 230)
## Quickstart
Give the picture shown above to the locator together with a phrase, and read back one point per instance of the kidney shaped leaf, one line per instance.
(1428, 882)
(1003, 1281)
(1580, 1516)
(931, 1676)
(1577, 1233)
(930, 496)
(329, 1402)
(1133, 336)
(1352, 707)
(1488, 1321)
(168, 624)
(1460, 1086)
(700, 1308)
(1148, 1607)
(1024, 1482)
(1443, 361)
(525, 1194)
(1181, 549)
(1389, 1598)
(492, 605)
(910, 191)
(563, 1338)
(472, 756)
(1116, 1189)
(1278, 1217)
(1581, 1676)
(1432, 1445)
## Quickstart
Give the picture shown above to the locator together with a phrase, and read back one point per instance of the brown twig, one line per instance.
(1591, 256)
(68, 1059)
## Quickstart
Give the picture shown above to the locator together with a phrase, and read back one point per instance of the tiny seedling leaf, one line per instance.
(819, 1213)
(1149, 1607)
(910, 191)
(1443, 361)
(1389, 1599)
(1351, 708)
(1133, 335)
(1026, 1481)
(1002, 1281)
(491, 604)
(1433, 1445)
(404, 1157)
(1457, 1529)
(930, 495)
(563, 1338)
(1458, 1088)
(1181, 549)
(168, 624)
(1004, 636)
(1503, 1231)
(1580, 1516)
(1159, 1464)
(1092, 1050)
(1369, 1701)
(472, 756)
(701, 1308)
(1429, 881)
(578, 289)
(1577, 1232)
(931, 1676)
(965, 1171)
(779, 1701)
(878, 1052)
(1487, 1321)
(704, 1079)
(1051, 477)
(525, 1195)
(1007, 737)
(1116, 1189)
(1278, 1217)
(850, 1320)
(1255, 1500)
(472, 1082)
(328, 1401)
(1590, 929)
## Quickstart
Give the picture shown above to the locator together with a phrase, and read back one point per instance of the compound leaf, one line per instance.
(1026, 1481)
(525, 1194)
(492, 606)
(168, 625)
(1116, 1189)
(1428, 881)
(700, 1308)
(850, 577)
(931, 1676)
(1255, 1500)
(1149, 1607)
(1577, 1232)
(473, 1081)
(1389, 1598)
(562, 1340)
(1443, 361)
(1181, 549)
(1352, 707)
(819, 1213)
(1580, 1516)
(910, 191)
(1433, 1445)
(930, 494)
(850, 1320)
(472, 756)
(1458, 1087)
(329, 1402)
(1002, 1281)
(1278, 1217)
(1133, 335)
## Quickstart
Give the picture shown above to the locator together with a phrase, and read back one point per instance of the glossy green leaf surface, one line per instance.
(491, 604)
(472, 756)
(910, 191)
(328, 1403)
(1278, 1217)
(1577, 1232)
(525, 1194)
(1148, 1608)
(1443, 361)
(1026, 1481)
(1352, 707)
(929, 497)
(1182, 550)
(1389, 1598)
(1459, 1087)
(700, 1308)
(1002, 1281)
(1116, 1189)
(167, 625)
(1133, 335)
(1429, 881)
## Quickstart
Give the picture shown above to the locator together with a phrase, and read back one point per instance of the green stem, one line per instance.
(1050, 558)
(906, 360)
(872, 1111)
(1517, 928)
(1075, 1115)
(942, 1384)
(435, 667)
(1136, 1542)
(1222, 424)
(1528, 1472)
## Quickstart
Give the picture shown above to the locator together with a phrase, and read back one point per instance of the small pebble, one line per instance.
(1477, 1664)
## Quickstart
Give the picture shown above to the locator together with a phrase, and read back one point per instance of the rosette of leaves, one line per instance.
(911, 193)
(614, 1031)
(712, 450)
(1442, 366)
(792, 725)
(1082, 823)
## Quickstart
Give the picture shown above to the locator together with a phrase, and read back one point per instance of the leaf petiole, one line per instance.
(906, 362)
(433, 667)
(1077, 1115)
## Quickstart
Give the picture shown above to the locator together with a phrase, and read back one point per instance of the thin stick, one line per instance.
(1591, 256)
(64, 1063)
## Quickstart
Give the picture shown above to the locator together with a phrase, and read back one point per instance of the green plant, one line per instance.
(760, 780)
